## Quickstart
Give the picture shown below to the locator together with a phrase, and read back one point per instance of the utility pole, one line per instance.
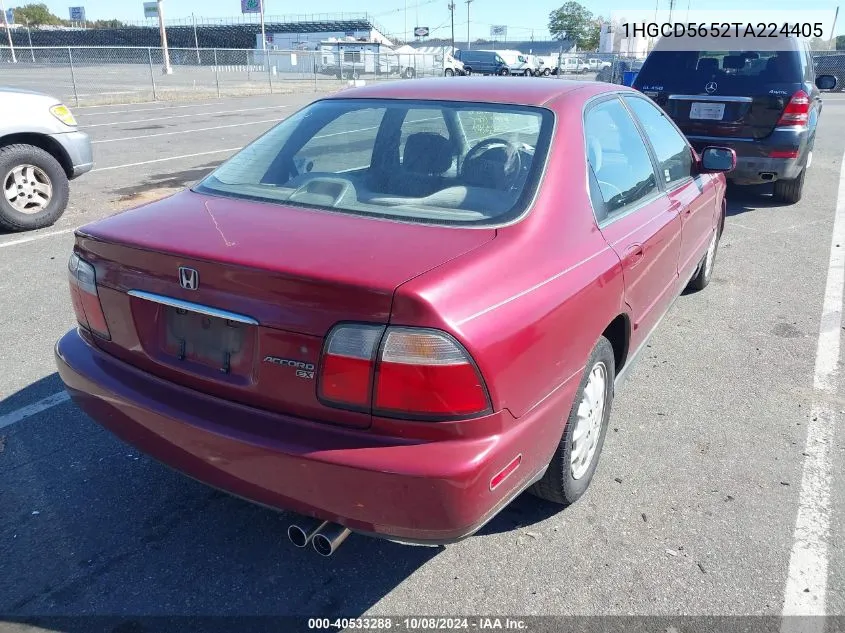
(469, 44)
(405, 32)
(830, 43)
(196, 40)
(8, 32)
(671, 8)
(264, 35)
(452, 11)
(165, 53)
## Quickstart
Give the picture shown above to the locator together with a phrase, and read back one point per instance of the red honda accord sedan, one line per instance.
(402, 306)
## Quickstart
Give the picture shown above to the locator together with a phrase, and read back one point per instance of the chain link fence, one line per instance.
(831, 63)
(101, 75)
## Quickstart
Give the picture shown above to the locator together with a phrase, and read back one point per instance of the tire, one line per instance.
(449, 72)
(547, 72)
(704, 272)
(409, 73)
(44, 168)
(467, 71)
(559, 485)
(505, 72)
(790, 191)
(528, 73)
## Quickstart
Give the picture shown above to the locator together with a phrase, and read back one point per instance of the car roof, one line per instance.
(505, 90)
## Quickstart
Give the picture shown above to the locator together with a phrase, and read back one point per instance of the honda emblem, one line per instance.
(189, 278)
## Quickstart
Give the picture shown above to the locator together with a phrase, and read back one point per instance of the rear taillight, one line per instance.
(783, 153)
(346, 375)
(797, 111)
(83, 294)
(400, 372)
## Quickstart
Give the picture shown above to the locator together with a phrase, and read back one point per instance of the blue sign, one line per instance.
(251, 6)
(10, 16)
(77, 14)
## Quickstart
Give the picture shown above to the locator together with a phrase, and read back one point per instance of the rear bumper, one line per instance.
(408, 490)
(77, 146)
(754, 164)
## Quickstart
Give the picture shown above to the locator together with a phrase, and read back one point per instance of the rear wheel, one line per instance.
(34, 187)
(467, 71)
(790, 191)
(528, 73)
(449, 72)
(409, 73)
(547, 72)
(505, 72)
(705, 268)
(577, 455)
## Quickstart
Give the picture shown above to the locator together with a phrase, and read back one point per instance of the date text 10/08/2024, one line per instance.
(722, 29)
(418, 624)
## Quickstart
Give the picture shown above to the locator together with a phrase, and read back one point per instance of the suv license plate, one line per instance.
(707, 111)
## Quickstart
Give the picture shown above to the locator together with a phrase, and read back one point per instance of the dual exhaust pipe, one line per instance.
(325, 537)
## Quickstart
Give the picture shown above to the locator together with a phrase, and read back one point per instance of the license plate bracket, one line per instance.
(707, 111)
(205, 340)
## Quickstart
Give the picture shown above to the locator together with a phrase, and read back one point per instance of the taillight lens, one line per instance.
(797, 111)
(401, 372)
(423, 372)
(348, 364)
(83, 293)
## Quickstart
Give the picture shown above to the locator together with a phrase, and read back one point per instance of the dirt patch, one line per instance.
(138, 198)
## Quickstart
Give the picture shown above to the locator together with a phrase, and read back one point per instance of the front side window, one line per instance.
(618, 158)
(427, 161)
(670, 147)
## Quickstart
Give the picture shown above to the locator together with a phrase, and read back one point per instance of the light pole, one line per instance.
(8, 32)
(452, 11)
(263, 35)
(29, 37)
(168, 69)
(469, 45)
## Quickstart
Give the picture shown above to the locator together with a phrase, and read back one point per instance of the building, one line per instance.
(612, 40)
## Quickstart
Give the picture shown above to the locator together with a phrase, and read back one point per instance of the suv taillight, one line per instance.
(400, 372)
(797, 111)
(83, 294)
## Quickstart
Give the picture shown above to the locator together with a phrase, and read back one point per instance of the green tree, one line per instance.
(840, 42)
(573, 21)
(107, 24)
(36, 15)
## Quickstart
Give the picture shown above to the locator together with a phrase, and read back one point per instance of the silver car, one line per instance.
(41, 149)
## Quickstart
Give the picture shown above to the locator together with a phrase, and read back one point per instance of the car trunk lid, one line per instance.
(234, 298)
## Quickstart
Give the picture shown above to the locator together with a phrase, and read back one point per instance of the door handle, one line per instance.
(632, 255)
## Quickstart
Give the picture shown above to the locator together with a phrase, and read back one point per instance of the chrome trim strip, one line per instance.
(192, 307)
(710, 98)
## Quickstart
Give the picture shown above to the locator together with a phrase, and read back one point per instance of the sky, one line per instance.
(520, 17)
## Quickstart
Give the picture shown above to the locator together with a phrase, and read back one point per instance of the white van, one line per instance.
(517, 63)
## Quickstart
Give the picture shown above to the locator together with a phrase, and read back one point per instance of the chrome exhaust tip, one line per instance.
(301, 535)
(328, 539)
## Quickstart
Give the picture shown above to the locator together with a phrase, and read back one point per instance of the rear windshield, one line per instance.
(733, 71)
(427, 161)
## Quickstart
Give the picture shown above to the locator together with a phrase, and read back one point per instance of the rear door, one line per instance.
(638, 220)
(693, 194)
(731, 94)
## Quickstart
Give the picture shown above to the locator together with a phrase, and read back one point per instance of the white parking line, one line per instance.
(806, 584)
(33, 238)
(202, 129)
(170, 107)
(30, 410)
(162, 160)
(183, 116)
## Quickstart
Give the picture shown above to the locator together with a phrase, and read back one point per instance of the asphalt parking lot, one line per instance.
(692, 511)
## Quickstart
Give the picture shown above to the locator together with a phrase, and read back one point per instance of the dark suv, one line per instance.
(765, 104)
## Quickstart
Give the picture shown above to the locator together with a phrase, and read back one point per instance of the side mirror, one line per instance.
(826, 82)
(718, 159)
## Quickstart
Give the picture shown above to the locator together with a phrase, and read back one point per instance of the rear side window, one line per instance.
(670, 147)
(733, 71)
(618, 157)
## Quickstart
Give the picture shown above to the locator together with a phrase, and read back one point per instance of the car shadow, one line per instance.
(742, 199)
(91, 527)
